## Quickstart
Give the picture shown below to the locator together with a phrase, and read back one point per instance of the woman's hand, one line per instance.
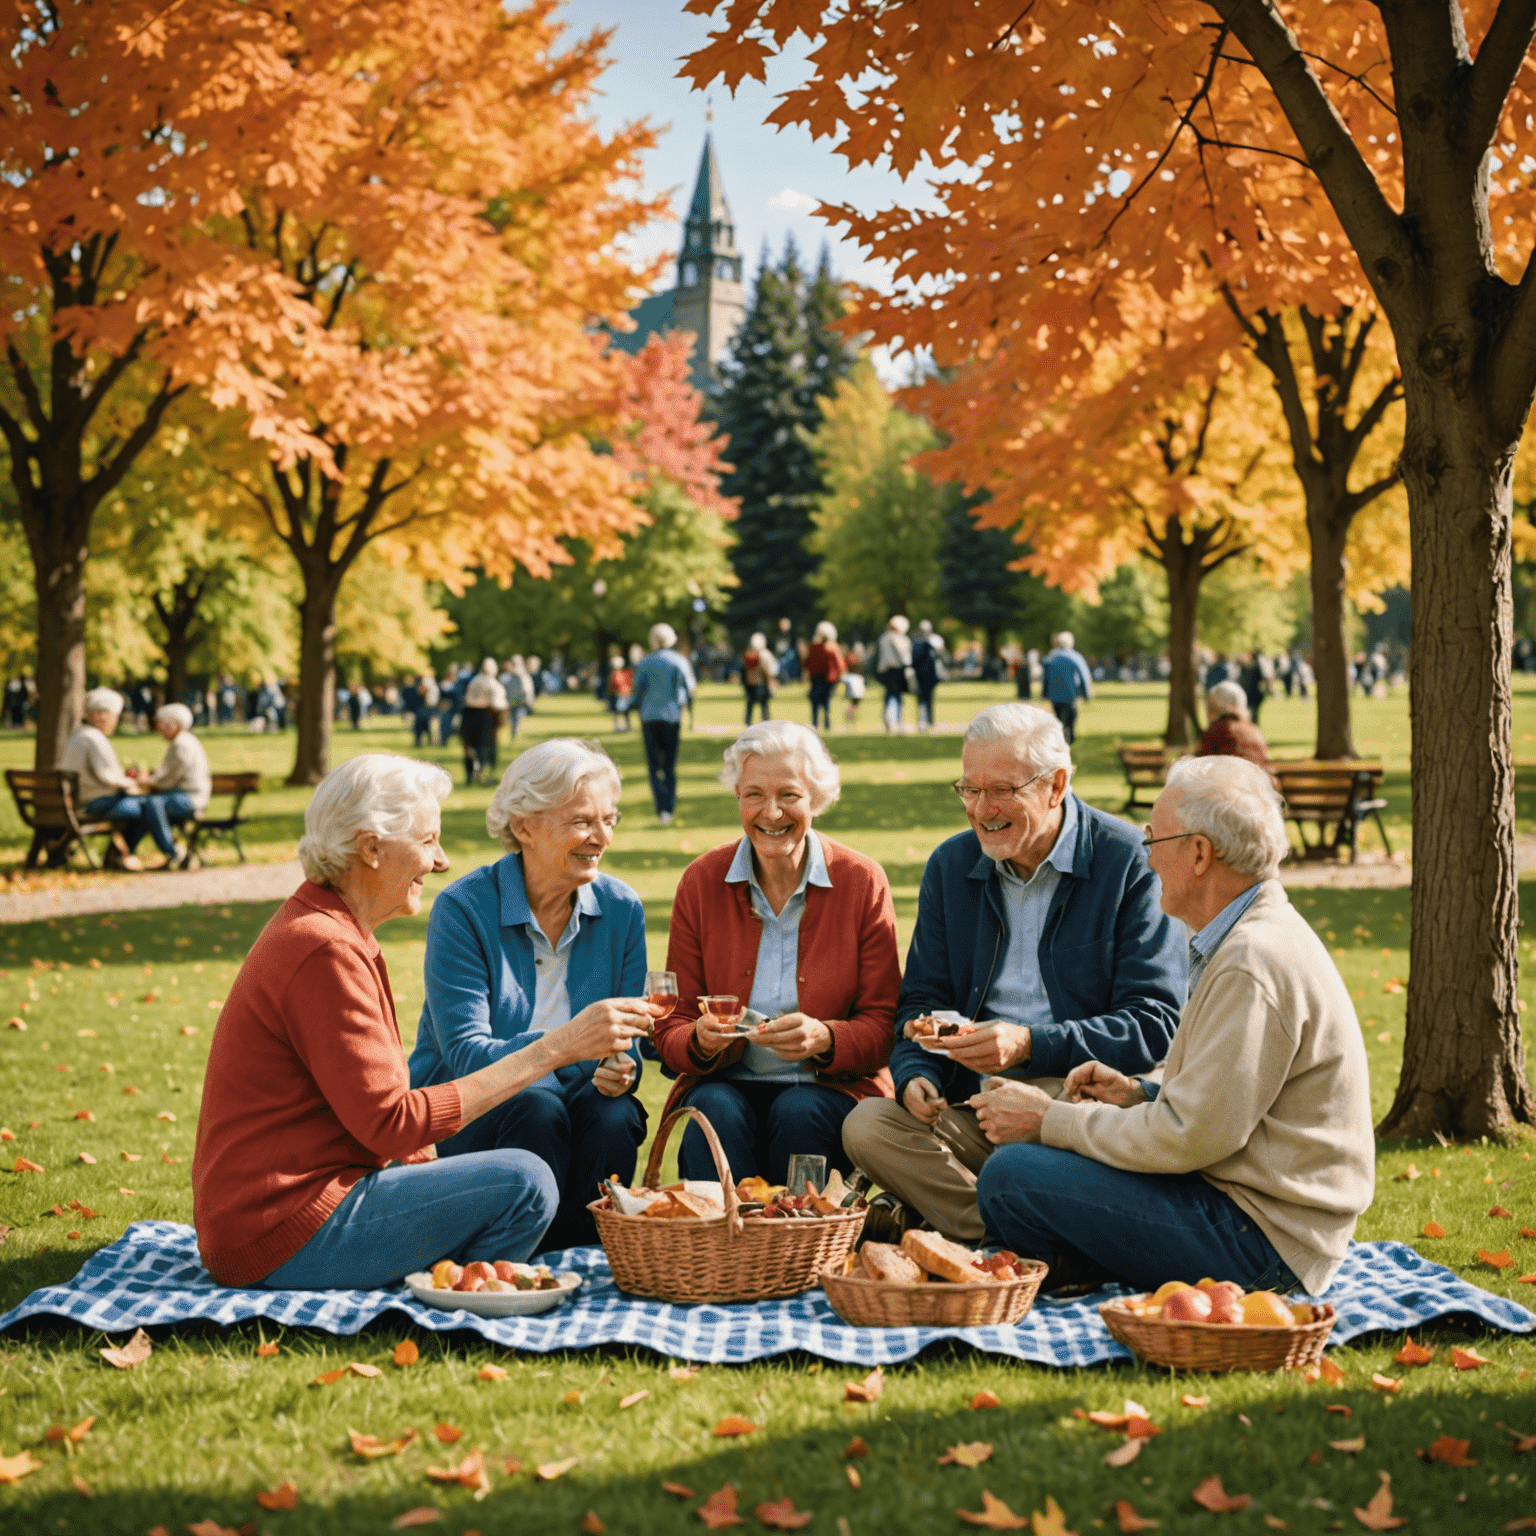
(601, 1029)
(923, 1100)
(707, 1040)
(1093, 1080)
(614, 1075)
(794, 1036)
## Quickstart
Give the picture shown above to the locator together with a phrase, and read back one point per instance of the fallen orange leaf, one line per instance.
(634, 1397)
(328, 1378)
(406, 1352)
(967, 1454)
(210, 1528)
(448, 1433)
(1107, 1420)
(363, 1370)
(470, 1473)
(266, 1351)
(553, 1469)
(132, 1157)
(1212, 1496)
(1433, 1229)
(1137, 1427)
(84, 1114)
(993, 1514)
(492, 1373)
(1129, 1520)
(26, 1165)
(731, 1425)
(513, 1467)
(1377, 1514)
(1124, 1454)
(1526, 1280)
(371, 1448)
(1413, 1354)
(591, 1524)
(1522, 1443)
(81, 1487)
(1498, 1210)
(719, 1509)
(1451, 1451)
(1528, 1231)
(1343, 1410)
(1380, 1383)
(1328, 1371)
(86, 1158)
(425, 1514)
(1468, 1360)
(679, 1490)
(781, 1515)
(866, 1391)
(855, 1448)
(1499, 1260)
(985, 1399)
(284, 1496)
(1195, 1402)
(135, 1352)
(14, 1468)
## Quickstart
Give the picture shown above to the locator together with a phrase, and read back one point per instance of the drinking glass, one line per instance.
(661, 992)
(723, 1006)
(802, 1168)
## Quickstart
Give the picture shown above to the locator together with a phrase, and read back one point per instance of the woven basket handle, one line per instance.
(716, 1151)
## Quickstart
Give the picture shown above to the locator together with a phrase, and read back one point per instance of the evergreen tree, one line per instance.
(782, 360)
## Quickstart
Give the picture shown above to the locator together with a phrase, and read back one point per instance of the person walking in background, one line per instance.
(1021, 676)
(485, 701)
(1257, 680)
(928, 670)
(1065, 679)
(853, 683)
(428, 697)
(824, 665)
(519, 686)
(618, 683)
(759, 668)
(664, 687)
(893, 663)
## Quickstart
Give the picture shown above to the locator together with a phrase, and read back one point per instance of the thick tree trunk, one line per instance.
(59, 580)
(176, 652)
(1185, 571)
(1330, 641)
(317, 679)
(1463, 1060)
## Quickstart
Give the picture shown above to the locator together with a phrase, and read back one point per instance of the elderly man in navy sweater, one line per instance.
(1044, 924)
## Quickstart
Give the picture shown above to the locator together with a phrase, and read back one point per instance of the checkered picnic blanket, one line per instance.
(151, 1277)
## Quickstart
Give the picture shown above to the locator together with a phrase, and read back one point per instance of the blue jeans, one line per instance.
(138, 814)
(661, 737)
(582, 1135)
(821, 701)
(762, 1125)
(1092, 1222)
(405, 1218)
(1067, 714)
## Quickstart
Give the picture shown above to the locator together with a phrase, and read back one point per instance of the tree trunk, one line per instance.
(1185, 569)
(317, 678)
(1463, 1060)
(1330, 640)
(59, 579)
(177, 650)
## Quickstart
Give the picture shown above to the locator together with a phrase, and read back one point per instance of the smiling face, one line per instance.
(404, 864)
(1011, 828)
(562, 847)
(775, 801)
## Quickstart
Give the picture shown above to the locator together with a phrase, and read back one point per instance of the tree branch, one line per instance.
(1498, 63)
(134, 444)
(1370, 418)
(1356, 500)
(28, 387)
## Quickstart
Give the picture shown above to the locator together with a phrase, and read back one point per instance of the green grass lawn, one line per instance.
(130, 1001)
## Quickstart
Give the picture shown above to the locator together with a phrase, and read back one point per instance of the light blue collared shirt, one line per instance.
(774, 988)
(1208, 940)
(1018, 990)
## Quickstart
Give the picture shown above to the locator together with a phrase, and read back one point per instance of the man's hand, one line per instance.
(1093, 1080)
(921, 1099)
(794, 1036)
(614, 1075)
(993, 1047)
(601, 1029)
(1011, 1112)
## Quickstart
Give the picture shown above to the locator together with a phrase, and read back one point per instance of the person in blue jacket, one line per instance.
(1043, 923)
(542, 943)
(664, 688)
(1064, 680)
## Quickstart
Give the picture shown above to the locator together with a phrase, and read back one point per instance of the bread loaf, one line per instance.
(938, 1256)
(885, 1261)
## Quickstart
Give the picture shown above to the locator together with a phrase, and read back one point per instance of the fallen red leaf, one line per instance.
(855, 1448)
(1129, 1520)
(591, 1524)
(679, 1490)
(1413, 1353)
(1433, 1229)
(986, 1399)
(266, 1351)
(1468, 1360)
(1451, 1451)
(719, 1509)
(967, 1454)
(731, 1425)
(866, 1391)
(1377, 1514)
(447, 1434)
(284, 1496)
(406, 1353)
(135, 1352)
(1212, 1496)
(993, 1514)
(781, 1515)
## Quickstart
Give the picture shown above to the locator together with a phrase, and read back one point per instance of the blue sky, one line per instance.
(773, 178)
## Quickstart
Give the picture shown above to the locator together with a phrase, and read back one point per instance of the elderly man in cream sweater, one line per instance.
(1254, 1156)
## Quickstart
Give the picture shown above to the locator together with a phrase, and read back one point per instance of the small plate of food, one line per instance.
(499, 1289)
(938, 1031)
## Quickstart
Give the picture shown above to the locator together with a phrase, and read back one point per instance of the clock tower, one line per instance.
(709, 299)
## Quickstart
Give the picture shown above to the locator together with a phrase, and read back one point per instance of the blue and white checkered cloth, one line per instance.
(152, 1278)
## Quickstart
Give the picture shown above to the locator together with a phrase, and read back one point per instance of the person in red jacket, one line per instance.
(824, 665)
(799, 928)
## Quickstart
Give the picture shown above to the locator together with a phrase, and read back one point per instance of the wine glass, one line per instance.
(661, 992)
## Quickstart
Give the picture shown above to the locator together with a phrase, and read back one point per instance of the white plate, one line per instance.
(494, 1303)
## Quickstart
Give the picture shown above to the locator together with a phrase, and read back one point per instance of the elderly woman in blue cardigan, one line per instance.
(541, 944)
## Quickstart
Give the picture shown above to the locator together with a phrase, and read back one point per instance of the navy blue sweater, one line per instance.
(1114, 964)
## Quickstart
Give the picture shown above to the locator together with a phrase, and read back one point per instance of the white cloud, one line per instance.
(795, 202)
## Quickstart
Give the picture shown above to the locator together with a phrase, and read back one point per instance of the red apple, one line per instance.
(1226, 1302)
(1188, 1306)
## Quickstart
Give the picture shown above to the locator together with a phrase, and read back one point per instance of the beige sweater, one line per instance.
(1265, 1094)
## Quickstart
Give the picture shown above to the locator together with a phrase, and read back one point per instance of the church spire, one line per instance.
(709, 232)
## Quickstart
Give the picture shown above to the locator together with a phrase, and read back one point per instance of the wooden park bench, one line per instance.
(1334, 797)
(1145, 768)
(48, 801)
(206, 824)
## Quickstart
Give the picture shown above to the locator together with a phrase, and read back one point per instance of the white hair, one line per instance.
(174, 714)
(1063, 640)
(1227, 699)
(662, 637)
(1035, 733)
(786, 738)
(826, 632)
(378, 792)
(489, 666)
(1233, 803)
(925, 627)
(542, 778)
(900, 623)
(102, 701)
(758, 642)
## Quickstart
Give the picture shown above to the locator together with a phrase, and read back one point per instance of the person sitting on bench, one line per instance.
(1254, 1157)
(182, 780)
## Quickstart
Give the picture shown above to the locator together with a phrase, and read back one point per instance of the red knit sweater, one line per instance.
(847, 975)
(307, 1089)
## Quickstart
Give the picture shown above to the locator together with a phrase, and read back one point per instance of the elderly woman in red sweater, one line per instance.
(314, 1165)
(800, 929)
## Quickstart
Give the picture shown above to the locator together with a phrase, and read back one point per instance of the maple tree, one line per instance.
(1326, 154)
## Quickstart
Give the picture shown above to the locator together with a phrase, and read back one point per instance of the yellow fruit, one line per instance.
(1302, 1312)
(1166, 1289)
(1204, 1285)
(1264, 1309)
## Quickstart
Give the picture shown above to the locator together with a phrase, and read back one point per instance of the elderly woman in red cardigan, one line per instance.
(800, 929)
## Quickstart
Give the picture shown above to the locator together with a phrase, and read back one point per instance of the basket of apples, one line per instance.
(1217, 1326)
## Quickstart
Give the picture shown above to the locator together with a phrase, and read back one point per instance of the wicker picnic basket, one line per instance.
(870, 1303)
(723, 1258)
(1189, 1346)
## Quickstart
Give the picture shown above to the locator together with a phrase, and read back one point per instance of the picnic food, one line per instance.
(938, 1256)
(499, 1275)
(756, 1198)
(1219, 1301)
(925, 1258)
(926, 1027)
(885, 1261)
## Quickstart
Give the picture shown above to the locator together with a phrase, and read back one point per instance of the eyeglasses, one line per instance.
(1147, 839)
(970, 793)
